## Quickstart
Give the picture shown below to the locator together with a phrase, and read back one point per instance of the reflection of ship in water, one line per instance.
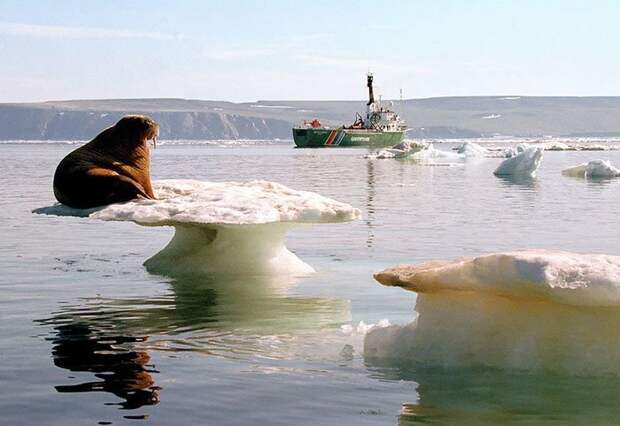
(224, 317)
(370, 208)
(121, 370)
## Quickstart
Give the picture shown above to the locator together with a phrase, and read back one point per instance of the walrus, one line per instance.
(114, 167)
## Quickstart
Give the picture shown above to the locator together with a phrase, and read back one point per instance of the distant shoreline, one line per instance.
(432, 118)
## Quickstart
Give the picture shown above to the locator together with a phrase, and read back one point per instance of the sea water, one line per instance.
(88, 336)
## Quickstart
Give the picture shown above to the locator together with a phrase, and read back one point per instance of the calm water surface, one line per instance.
(89, 337)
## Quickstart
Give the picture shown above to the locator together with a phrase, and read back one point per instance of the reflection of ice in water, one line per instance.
(224, 227)
(593, 169)
(531, 310)
(464, 396)
(218, 315)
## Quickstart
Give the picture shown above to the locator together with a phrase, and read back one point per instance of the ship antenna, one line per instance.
(371, 96)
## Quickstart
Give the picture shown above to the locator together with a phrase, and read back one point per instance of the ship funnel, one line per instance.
(371, 96)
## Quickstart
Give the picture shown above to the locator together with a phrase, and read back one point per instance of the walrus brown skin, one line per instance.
(112, 168)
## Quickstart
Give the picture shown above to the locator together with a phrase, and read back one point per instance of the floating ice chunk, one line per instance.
(525, 162)
(593, 147)
(588, 146)
(408, 145)
(430, 155)
(530, 309)
(380, 155)
(557, 146)
(470, 149)
(228, 227)
(401, 150)
(362, 327)
(593, 169)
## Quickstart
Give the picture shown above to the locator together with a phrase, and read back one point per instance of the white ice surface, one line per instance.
(229, 227)
(524, 163)
(593, 169)
(471, 149)
(401, 150)
(530, 309)
(432, 155)
(231, 203)
(557, 146)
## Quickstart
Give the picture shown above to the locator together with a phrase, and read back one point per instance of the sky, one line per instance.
(244, 51)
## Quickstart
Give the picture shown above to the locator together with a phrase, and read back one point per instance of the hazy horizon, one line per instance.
(500, 95)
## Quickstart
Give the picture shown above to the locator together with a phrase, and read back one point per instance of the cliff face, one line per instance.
(26, 123)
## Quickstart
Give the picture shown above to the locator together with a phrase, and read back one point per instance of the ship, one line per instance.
(380, 127)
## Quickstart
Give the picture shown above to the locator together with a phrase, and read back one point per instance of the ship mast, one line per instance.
(371, 96)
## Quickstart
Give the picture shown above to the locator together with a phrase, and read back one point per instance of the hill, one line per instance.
(432, 117)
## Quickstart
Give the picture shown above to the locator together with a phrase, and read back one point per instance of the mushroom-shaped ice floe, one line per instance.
(531, 309)
(228, 227)
(525, 162)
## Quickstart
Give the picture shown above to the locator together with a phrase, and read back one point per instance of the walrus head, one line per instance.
(136, 128)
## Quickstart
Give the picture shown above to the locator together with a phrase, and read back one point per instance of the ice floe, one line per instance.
(401, 150)
(528, 309)
(471, 149)
(432, 155)
(593, 169)
(228, 227)
(525, 162)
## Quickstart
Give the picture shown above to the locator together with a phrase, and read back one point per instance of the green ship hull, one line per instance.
(325, 138)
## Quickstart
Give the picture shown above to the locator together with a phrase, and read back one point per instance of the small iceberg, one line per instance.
(593, 169)
(430, 155)
(226, 227)
(402, 150)
(528, 310)
(471, 149)
(426, 153)
(524, 161)
(558, 146)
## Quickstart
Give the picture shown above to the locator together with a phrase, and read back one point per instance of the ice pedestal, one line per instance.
(530, 310)
(225, 227)
(247, 249)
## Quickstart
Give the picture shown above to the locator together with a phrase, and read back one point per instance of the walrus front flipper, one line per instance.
(122, 188)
